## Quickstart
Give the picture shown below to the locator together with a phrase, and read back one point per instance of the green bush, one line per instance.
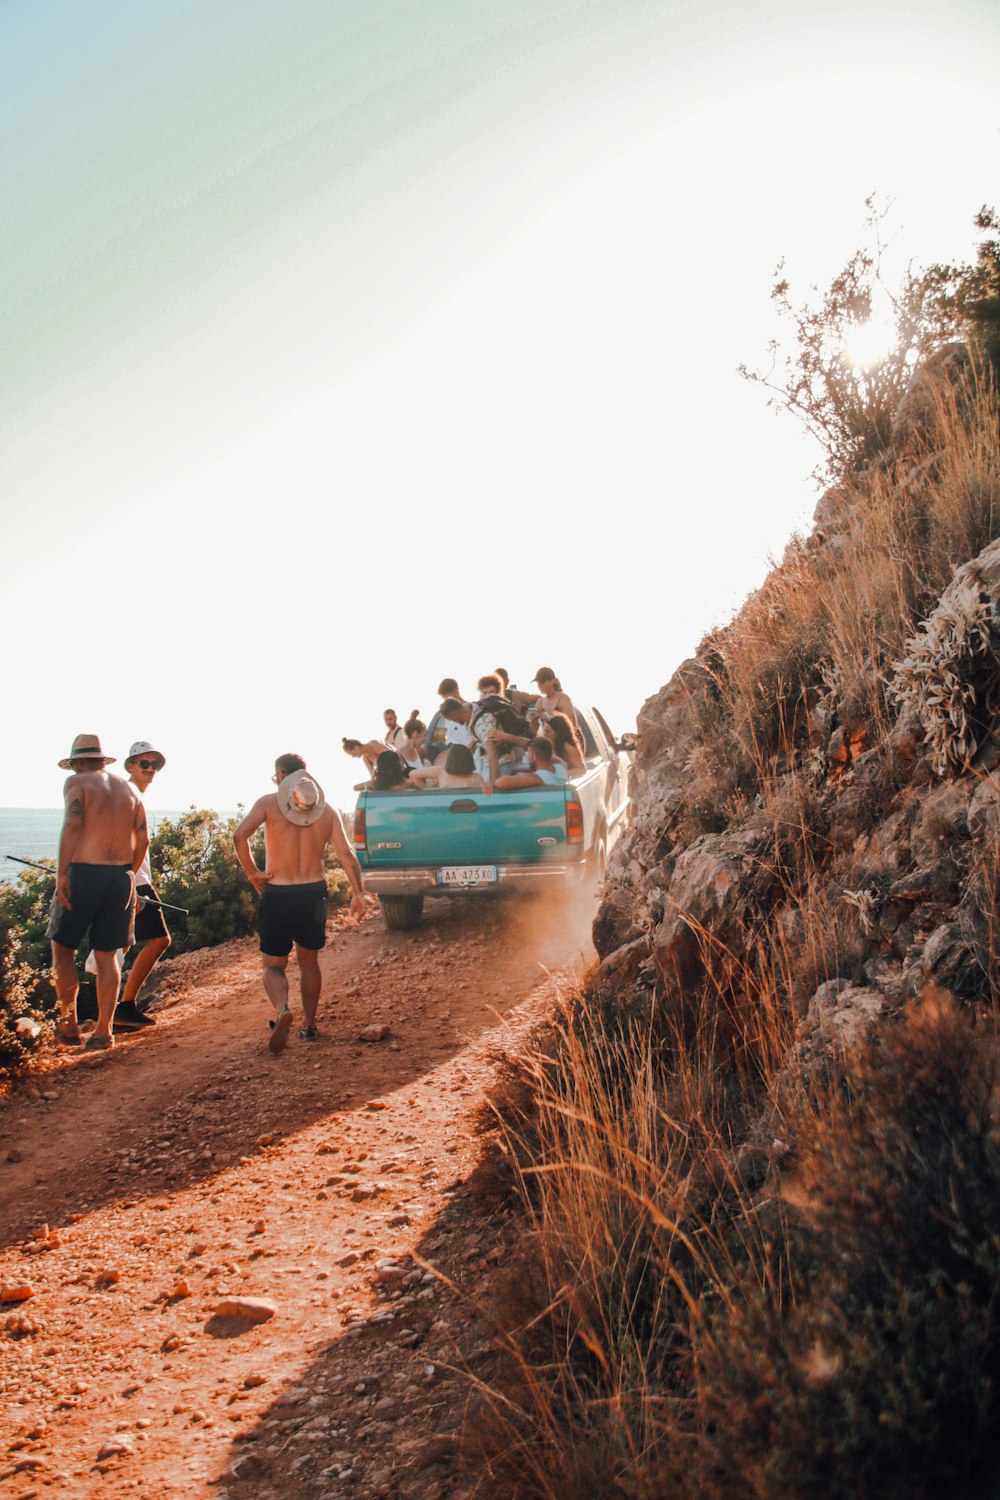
(194, 866)
(21, 1015)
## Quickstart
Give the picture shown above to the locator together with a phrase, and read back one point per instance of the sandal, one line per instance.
(308, 1033)
(279, 1031)
(98, 1043)
(68, 1035)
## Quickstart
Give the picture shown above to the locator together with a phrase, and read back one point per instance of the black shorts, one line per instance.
(149, 923)
(292, 914)
(101, 903)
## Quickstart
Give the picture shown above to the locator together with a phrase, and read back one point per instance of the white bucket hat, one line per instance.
(300, 798)
(143, 747)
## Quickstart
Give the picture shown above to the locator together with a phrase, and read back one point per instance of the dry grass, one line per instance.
(828, 623)
(705, 1308)
(743, 1275)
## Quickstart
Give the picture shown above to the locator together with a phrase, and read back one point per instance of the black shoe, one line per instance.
(128, 1017)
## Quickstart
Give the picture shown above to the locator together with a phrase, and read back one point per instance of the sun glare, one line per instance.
(867, 344)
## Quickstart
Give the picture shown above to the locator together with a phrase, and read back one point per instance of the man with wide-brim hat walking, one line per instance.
(102, 844)
(298, 826)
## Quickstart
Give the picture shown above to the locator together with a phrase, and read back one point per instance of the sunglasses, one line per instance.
(148, 765)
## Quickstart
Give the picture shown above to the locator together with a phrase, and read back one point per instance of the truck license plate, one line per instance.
(467, 875)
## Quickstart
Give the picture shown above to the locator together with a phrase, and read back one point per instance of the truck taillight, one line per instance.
(574, 821)
(360, 830)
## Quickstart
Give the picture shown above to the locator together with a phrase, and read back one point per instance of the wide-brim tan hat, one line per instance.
(300, 798)
(144, 748)
(86, 747)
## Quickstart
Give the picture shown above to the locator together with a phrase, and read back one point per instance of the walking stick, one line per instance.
(143, 900)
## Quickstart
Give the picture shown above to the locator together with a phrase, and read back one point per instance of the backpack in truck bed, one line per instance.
(506, 716)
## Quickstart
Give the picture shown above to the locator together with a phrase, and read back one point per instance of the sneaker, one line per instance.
(279, 1031)
(128, 1017)
(308, 1033)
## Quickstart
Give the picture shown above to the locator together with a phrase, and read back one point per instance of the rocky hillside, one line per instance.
(760, 1164)
(852, 815)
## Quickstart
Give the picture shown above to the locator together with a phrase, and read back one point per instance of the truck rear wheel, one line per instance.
(401, 912)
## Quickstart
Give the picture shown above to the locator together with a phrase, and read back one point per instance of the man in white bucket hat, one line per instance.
(142, 763)
(298, 826)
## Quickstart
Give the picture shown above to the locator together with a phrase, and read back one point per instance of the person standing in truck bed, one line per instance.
(551, 698)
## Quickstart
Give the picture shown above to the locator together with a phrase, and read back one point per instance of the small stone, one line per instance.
(373, 1033)
(350, 1259)
(110, 1276)
(19, 1325)
(16, 1291)
(118, 1444)
(253, 1309)
(182, 1289)
(14, 1155)
(253, 1381)
(376, 1104)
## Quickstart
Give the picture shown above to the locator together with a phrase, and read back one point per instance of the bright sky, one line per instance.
(349, 344)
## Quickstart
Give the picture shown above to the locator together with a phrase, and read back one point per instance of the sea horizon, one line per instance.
(32, 833)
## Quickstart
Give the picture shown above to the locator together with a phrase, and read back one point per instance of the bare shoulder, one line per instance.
(263, 808)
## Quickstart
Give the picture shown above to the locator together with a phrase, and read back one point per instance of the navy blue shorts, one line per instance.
(292, 914)
(149, 923)
(101, 903)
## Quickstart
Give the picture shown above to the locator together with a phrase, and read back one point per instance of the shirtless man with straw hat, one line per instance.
(298, 826)
(102, 844)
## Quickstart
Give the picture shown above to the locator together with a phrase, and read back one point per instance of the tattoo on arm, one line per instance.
(75, 808)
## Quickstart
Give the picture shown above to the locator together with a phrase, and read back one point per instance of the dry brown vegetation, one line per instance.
(761, 1261)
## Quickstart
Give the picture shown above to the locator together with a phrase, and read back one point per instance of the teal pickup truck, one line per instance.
(445, 843)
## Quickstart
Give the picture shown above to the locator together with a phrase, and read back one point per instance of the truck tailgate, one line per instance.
(464, 828)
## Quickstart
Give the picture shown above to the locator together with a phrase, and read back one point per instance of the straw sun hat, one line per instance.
(86, 747)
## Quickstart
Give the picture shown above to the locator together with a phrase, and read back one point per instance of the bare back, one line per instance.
(104, 818)
(294, 854)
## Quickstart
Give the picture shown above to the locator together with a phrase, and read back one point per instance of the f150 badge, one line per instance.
(388, 846)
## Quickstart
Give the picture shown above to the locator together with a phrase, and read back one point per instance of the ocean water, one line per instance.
(33, 833)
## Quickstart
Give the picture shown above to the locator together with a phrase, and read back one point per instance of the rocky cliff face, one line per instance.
(837, 808)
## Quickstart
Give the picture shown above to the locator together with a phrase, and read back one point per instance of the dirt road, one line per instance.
(143, 1188)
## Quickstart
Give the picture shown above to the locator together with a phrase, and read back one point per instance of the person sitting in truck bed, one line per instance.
(411, 751)
(390, 774)
(454, 769)
(566, 743)
(540, 769)
(369, 753)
